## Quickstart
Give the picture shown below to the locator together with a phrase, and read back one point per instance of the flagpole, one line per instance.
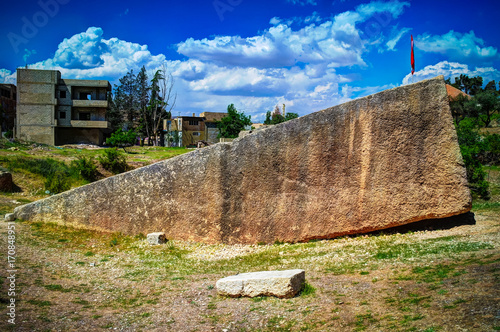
(412, 60)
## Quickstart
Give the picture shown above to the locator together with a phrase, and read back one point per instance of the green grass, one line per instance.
(307, 289)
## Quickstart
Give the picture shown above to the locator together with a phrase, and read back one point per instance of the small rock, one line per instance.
(157, 238)
(282, 284)
(10, 217)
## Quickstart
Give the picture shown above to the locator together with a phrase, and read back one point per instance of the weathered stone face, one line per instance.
(381, 161)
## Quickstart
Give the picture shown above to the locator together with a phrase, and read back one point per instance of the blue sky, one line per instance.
(308, 54)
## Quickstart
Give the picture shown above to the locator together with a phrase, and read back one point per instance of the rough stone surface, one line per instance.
(157, 238)
(10, 217)
(266, 283)
(381, 161)
(6, 184)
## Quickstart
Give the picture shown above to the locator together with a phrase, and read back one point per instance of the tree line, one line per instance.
(138, 105)
(473, 114)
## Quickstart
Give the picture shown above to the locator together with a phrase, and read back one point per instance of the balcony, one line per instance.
(90, 103)
(89, 124)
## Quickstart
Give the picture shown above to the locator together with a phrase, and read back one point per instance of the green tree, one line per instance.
(291, 116)
(472, 147)
(458, 108)
(234, 122)
(276, 117)
(161, 103)
(122, 138)
(483, 106)
(491, 86)
(126, 100)
(113, 115)
(469, 85)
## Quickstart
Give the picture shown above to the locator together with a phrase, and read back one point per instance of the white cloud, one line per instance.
(6, 76)
(457, 46)
(336, 41)
(395, 8)
(89, 55)
(452, 70)
(396, 36)
(303, 2)
(284, 64)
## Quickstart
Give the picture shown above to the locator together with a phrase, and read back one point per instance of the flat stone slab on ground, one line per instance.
(265, 283)
(157, 238)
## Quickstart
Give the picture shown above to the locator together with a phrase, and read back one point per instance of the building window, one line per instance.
(84, 116)
(193, 122)
(85, 96)
(196, 133)
(62, 115)
(62, 94)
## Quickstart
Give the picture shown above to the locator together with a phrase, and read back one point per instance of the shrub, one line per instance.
(122, 138)
(57, 182)
(86, 168)
(472, 147)
(113, 161)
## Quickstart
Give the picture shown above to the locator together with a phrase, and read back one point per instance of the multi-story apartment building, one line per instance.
(192, 129)
(57, 111)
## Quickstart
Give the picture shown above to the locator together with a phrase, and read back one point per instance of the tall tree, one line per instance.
(143, 88)
(485, 105)
(126, 99)
(114, 115)
(234, 122)
(161, 103)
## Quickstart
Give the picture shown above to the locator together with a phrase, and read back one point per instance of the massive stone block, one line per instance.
(385, 160)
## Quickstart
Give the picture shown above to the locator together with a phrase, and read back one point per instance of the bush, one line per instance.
(86, 168)
(57, 182)
(492, 147)
(113, 161)
(472, 148)
(122, 138)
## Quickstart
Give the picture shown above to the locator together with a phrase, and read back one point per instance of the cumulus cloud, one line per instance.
(452, 70)
(294, 61)
(83, 50)
(89, 55)
(336, 41)
(6, 76)
(457, 46)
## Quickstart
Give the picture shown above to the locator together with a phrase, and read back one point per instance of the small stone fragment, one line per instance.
(10, 217)
(282, 284)
(157, 238)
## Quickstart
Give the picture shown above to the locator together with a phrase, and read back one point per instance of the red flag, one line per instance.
(412, 57)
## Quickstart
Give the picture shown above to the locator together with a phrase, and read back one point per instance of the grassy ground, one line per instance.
(434, 280)
(31, 185)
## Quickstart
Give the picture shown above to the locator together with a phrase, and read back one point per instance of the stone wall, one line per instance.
(385, 160)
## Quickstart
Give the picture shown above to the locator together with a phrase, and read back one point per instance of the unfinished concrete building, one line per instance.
(56, 111)
(8, 104)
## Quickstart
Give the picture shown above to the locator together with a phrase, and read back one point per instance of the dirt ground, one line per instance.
(74, 280)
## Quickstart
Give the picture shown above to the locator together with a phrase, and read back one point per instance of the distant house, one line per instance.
(57, 111)
(189, 130)
(8, 96)
(453, 92)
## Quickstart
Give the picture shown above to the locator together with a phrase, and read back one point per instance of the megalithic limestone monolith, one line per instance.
(385, 160)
